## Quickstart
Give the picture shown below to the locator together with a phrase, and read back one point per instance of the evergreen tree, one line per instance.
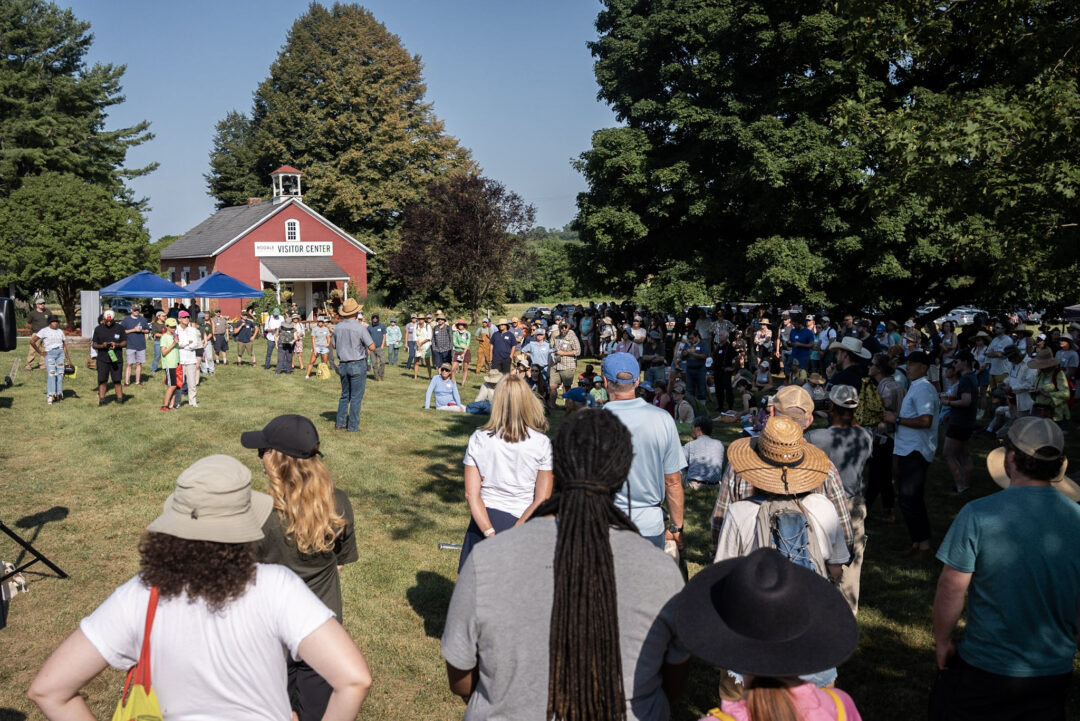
(53, 107)
(344, 103)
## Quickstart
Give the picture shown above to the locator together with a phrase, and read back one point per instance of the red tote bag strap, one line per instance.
(140, 672)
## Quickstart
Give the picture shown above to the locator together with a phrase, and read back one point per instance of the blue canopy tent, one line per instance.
(220, 285)
(145, 284)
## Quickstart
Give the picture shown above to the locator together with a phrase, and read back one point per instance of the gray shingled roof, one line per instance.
(217, 230)
(304, 268)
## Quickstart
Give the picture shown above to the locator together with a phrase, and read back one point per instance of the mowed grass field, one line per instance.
(82, 482)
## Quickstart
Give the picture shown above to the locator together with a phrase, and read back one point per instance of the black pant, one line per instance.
(911, 494)
(963, 692)
(880, 478)
(725, 394)
(309, 693)
(438, 357)
(501, 364)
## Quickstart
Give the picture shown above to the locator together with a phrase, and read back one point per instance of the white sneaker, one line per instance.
(193, 405)
(49, 399)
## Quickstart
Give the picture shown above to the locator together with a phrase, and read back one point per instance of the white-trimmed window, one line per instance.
(185, 276)
(172, 274)
(292, 231)
(202, 271)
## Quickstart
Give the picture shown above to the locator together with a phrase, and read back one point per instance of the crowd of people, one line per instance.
(570, 602)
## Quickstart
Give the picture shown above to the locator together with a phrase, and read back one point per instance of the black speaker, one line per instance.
(7, 325)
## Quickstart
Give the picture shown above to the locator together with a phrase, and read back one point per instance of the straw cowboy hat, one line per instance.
(1044, 359)
(350, 308)
(1033, 436)
(779, 461)
(852, 345)
(761, 614)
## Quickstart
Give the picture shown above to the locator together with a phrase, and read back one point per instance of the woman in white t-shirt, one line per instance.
(507, 464)
(223, 625)
(51, 343)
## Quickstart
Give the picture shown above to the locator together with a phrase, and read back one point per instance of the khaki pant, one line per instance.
(849, 581)
(31, 356)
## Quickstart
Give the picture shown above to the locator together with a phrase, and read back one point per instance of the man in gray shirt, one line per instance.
(849, 447)
(353, 342)
(704, 456)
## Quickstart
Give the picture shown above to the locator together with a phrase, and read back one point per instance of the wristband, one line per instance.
(489, 533)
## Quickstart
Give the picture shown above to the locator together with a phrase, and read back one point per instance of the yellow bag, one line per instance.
(323, 372)
(139, 703)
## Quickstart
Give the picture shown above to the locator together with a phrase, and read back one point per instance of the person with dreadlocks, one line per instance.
(577, 592)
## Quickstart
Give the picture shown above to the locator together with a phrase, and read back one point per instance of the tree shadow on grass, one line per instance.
(430, 598)
(10, 714)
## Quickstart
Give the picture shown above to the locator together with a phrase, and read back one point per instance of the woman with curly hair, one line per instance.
(507, 463)
(223, 625)
(553, 620)
(307, 527)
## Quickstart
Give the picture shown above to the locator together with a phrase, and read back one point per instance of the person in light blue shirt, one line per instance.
(393, 342)
(656, 471)
(1013, 554)
(445, 391)
(539, 351)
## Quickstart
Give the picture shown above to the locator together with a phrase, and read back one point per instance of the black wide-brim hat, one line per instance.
(762, 615)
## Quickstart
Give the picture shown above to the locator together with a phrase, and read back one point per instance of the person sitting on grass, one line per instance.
(445, 391)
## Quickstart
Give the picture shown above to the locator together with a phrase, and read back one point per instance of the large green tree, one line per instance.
(846, 152)
(61, 233)
(344, 103)
(53, 106)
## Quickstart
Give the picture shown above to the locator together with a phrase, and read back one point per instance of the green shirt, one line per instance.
(461, 340)
(318, 570)
(172, 358)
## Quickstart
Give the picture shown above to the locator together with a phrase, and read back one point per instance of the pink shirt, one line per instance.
(812, 703)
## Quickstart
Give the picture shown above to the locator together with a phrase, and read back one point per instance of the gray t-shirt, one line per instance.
(704, 459)
(849, 449)
(500, 617)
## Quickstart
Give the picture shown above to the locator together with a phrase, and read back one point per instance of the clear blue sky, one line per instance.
(512, 81)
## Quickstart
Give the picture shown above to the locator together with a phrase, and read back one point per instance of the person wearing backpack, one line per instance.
(286, 338)
(849, 447)
(784, 513)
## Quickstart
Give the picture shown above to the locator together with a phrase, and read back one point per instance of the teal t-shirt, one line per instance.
(1021, 545)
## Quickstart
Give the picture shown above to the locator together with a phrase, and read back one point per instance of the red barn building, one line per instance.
(281, 244)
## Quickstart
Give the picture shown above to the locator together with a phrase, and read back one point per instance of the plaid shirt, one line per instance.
(569, 342)
(736, 488)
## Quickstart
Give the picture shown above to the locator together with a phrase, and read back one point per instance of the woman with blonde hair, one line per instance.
(307, 527)
(507, 464)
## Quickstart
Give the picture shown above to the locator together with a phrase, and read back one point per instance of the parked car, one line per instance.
(120, 306)
(927, 309)
(962, 315)
(532, 310)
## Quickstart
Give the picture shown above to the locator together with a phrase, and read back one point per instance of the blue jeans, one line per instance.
(54, 366)
(156, 363)
(391, 354)
(412, 354)
(657, 541)
(353, 381)
(695, 382)
(269, 353)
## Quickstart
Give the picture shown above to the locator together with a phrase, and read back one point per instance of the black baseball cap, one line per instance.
(919, 357)
(290, 434)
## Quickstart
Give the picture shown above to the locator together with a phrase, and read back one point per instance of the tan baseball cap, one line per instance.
(844, 396)
(1039, 438)
(212, 502)
(795, 403)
